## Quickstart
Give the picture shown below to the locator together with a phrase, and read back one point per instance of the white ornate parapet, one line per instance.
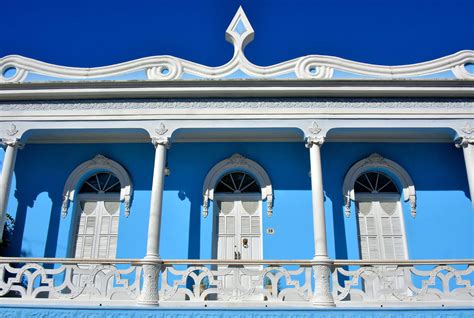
(401, 283)
(17, 69)
(264, 283)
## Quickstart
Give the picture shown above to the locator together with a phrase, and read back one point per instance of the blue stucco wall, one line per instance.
(137, 312)
(443, 227)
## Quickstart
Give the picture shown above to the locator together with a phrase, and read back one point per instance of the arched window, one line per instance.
(237, 182)
(373, 184)
(235, 174)
(377, 166)
(102, 182)
(96, 187)
(97, 217)
(97, 172)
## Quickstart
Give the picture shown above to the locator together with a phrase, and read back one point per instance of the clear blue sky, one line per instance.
(93, 33)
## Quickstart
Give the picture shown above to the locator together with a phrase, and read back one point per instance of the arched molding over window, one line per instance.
(98, 164)
(376, 162)
(237, 162)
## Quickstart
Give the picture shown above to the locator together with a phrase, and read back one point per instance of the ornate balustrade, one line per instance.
(404, 283)
(242, 283)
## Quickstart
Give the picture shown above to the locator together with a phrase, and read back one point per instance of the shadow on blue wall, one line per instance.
(436, 169)
(43, 169)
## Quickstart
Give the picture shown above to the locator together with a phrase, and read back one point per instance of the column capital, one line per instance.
(164, 141)
(12, 142)
(314, 140)
(464, 141)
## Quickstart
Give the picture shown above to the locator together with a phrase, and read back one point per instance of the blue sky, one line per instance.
(94, 33)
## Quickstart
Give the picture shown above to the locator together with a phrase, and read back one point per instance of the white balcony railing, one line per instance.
(241, 283)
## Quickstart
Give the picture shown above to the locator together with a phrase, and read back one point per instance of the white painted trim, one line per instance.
(97, 164)
(167, 68)
(228, 88)
(237, 163)
(377, 162)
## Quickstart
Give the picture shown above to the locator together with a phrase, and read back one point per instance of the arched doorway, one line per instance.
(380, 223)
(237, 186)
(97, 217)
(97, 187)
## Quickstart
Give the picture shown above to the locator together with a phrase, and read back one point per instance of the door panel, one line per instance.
(239, 229)
(239, 237)
(97, 228)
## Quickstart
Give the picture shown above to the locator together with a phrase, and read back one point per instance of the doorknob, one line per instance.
(245, 243)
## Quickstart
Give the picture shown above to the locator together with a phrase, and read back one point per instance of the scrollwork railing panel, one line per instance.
(70, 281)
(403, 282)
(235, 283)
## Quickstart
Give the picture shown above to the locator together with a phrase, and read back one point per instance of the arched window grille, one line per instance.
(102, 182)
(375, 182)
(237, 182)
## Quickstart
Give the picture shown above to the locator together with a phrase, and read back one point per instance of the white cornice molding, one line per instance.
(241, 88)
(239, 33)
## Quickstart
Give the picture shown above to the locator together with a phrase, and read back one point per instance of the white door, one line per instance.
(97, 227)
(381, 235)
(239, 236)
(239, 233)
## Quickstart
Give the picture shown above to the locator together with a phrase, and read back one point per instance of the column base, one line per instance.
(322, 290)
(323, 303)
(149, 295)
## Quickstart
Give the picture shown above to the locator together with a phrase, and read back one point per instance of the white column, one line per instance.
(151, 269)
(467, 145)
(322, 265)
(11, 149)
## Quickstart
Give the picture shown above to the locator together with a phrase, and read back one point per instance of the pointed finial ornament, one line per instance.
(240, 31)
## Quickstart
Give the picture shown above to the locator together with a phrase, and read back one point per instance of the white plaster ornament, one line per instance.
(239, 34)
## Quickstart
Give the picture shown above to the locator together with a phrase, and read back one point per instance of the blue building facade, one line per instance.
(314, 183)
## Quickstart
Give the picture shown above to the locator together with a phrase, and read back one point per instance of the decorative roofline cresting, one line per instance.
(17, 69)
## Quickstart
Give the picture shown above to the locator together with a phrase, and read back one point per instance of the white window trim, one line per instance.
(378, 163)
(237, 162)
(98, 164)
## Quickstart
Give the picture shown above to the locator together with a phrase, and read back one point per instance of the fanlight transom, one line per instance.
(102, 182)
(237, 182)
(375, 182)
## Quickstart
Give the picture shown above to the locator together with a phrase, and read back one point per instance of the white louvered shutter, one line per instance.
(381, 234)
(97, 230)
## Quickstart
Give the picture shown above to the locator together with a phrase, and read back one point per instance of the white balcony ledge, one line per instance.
(237, 283)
